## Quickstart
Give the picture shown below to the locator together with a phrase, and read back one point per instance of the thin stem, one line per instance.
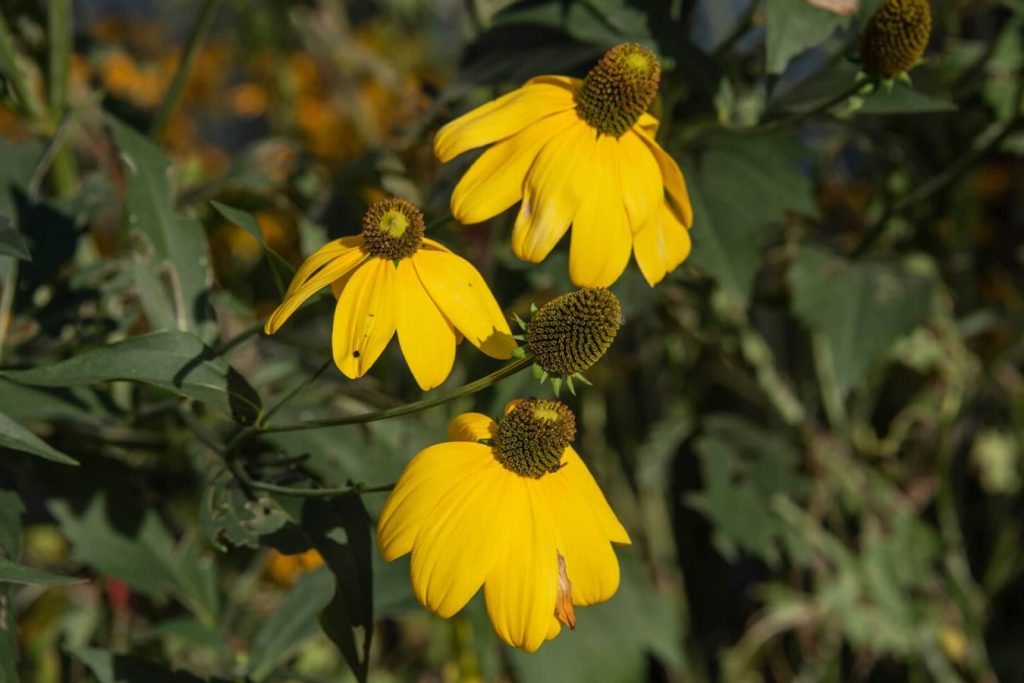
(415, 407)
(195, 41)
(294, 392)
(59, 19)
(239, 471)
(801, 116)
(239, 338)
(10, 279)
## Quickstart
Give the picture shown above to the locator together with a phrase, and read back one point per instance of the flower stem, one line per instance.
(195, 41)
(238, 470)
(415, 407)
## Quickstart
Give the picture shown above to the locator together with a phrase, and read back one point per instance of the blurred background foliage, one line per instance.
(812, 430)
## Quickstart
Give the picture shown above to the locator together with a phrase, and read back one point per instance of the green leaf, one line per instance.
(743, 467)
(613, 639)
(11, 509)
(12, 242)
(339, 529)
(12, 572)
(16, 437)
(900, 98)
(862, 309)
(178, 242)
(32, 403)
(293, 623)
(743, 188)
(279, 267)
(176, 361)
(793, 26)
(110, 668)
(228, 515)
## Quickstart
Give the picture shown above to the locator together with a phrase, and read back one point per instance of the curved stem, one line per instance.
(415, 407)
(798, 117)
(239, 471)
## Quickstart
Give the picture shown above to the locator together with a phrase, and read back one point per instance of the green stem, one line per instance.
(238, 470)
(415, 407)
(59, 19)
(7, 285)
(294, 392)
(195, 41)
(801, 116)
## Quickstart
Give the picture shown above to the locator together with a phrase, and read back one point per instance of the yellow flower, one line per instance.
(579, 152)
(390, 278)
(509, 506)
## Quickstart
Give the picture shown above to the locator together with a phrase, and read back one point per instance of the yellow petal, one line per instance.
(464, 298)
(471, 427)
(461, 541)
(590, 562)
(601, 239)
(426, 338)
(521, 589)
(674, 182)
(642, 187)
(647, 124)
(321, 257)
(661, 246)
(495, 181)
(435, 245)
(365, 317)
(574, 470)
(505, 116)
(557, 184)
(341, 263)
(424, 481)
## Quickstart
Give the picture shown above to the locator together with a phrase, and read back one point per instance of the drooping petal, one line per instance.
(505, 116)
(674, 182)
(323, 268)
(459, 544)
(580, 478)
(465, 299)
(601, 240)
(426, 338)
(321, 257)
(495, 181)
(423, 482)
(661, 246)
(556, 186)
(642, 187)
(434, 245)
(365, 317)
(647, 124)
(471, 427)
(591, 565)
(522, 587)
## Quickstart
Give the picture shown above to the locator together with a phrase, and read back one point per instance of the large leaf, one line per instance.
(176, 361)
(12, 572)
(294, 622)
(860, 308)
(793, 26)
(16, 437)
(339, 529)
(178, 242)
(743, 468)
(744, 186)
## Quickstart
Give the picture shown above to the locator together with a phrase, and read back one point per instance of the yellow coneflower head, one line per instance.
(896, 37)
(571, 332)
(509, 507)
(391, 279)
(619, 89)
(579, 153)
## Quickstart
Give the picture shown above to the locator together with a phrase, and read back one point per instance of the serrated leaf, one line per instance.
(12, 572)
(794, 26)
(294, 622)
(178, 241)
(861, 308)
(279, 267)
(176, 361)
(228, 515)
(12, 242)
(744, 186)
(16, 437)
(743, 468)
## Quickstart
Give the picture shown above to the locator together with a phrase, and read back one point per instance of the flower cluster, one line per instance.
(508, 505)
